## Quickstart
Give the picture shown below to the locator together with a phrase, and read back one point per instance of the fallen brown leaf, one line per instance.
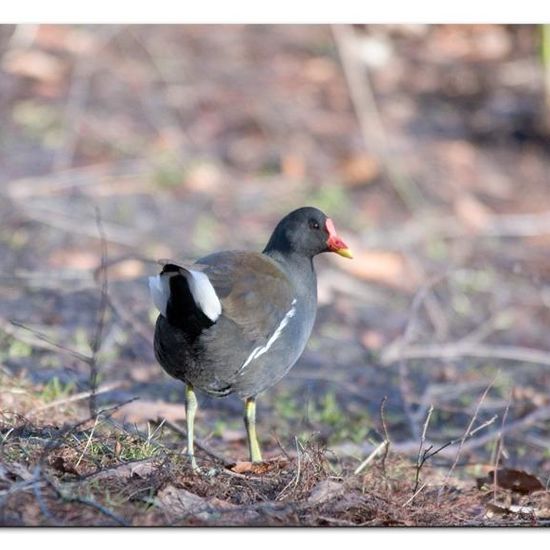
(472, 213)
(139, 469)
(74, 258)
(513, 480)
(293, 167)
(178, 503)
(372, 339)
(325, 490)
(360, 170)
(230, 436)
(385, 267)
(66, 37)
(258, 468)
(140, 411)
(320, 70)
(34, 64)
(127, 269)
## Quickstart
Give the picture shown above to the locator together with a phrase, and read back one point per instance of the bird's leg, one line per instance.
(250, 423)
(190, 410)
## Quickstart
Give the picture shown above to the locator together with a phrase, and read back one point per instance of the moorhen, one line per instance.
(237, 322)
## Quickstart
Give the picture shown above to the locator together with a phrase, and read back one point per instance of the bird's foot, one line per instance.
(194, 465)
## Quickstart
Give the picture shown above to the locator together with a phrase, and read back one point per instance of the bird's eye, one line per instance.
(313, 224)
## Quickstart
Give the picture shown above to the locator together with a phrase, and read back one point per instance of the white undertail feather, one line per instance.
(204, 294)
(260, 350)
(160, 292)
(200, 286)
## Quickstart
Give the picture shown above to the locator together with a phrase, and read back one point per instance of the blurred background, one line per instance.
(427, 145)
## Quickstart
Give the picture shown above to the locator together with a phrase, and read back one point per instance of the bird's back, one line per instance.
(263, 327)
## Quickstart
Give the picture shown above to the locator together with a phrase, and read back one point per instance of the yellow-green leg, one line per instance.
(250, 423)
(190, 410)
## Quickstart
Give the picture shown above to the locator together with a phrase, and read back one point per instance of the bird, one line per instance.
(237, 321)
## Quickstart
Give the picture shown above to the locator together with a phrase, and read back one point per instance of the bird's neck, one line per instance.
(298, 267)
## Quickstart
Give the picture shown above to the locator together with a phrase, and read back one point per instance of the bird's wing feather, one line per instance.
(254, 291)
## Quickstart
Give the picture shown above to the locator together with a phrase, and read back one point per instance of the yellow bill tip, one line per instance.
(345, 252)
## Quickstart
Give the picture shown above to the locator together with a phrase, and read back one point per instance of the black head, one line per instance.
(306, 232)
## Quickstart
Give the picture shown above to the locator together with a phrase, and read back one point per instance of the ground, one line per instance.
(427, 145)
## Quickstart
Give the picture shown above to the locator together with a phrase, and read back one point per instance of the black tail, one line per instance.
(181, 309)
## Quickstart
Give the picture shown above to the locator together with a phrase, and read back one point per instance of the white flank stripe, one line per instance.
(204, 294)
(262, 349)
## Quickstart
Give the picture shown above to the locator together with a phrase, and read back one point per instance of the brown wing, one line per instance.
(254, 291)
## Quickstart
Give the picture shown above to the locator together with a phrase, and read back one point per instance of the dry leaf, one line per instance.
(497, 508)
(360, 170)
(325, 490)
(65, 37)
(258, 468)
(140, 411)
(293, 167)
(231, 436)
(74, 258)
(472, 213)
(372, 339)
(139, 469)
(178, 502)
(127, 269)
(320, 70)
(205, 178)
(385, 267)
(34, 64)
(514, 480)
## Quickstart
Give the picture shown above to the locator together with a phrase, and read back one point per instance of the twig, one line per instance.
(368, 115)
(296, 478)
(500, 445)
(56, 441)
(87, 502)
(142, 330)
(25, 189)
(456, 350)
(42, 340)
(198, 444)
(37, 489)
(415, 494)
(77, 397)
(96, 342)
(371, 457)
(92, 431)
(422, 457)
(77, 96)
(386, 435)
(412, 320)
(466, 435)
(75, 224)
(485, 329)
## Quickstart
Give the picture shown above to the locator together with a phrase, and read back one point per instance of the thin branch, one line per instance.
(96, 342)
(368, 115)
(87, 502)
(371, 457)
(198, 443)
(76, 397)
(404, 378)
(500, 444)
(386, 434)
(42, 340)
(422, 457)
(456, 350)
(468, 433)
